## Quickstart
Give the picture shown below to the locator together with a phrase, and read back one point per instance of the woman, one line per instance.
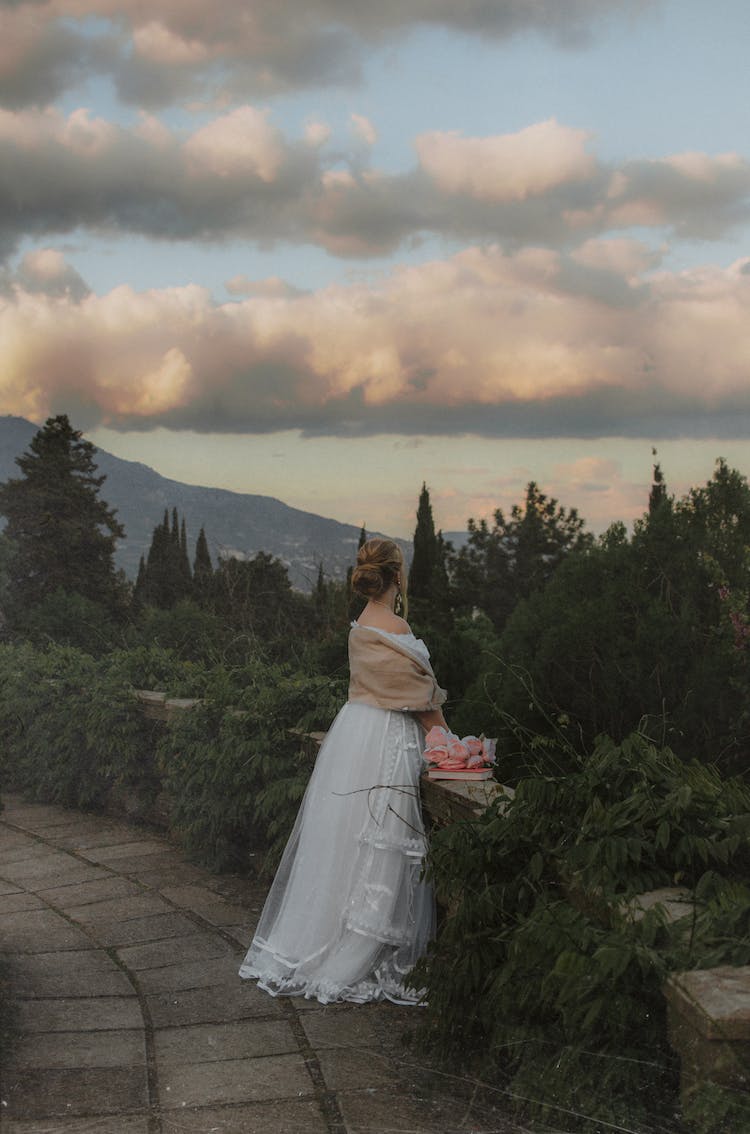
(347, 915)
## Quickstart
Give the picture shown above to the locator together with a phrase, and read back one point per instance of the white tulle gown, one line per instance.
(348, 913)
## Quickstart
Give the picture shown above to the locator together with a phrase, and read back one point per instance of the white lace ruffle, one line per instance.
(348, 914)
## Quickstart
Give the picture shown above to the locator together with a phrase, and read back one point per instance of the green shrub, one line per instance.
(232, 767)
(71, 727)
(541, 977)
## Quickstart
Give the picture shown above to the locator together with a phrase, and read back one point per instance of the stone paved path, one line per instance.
(124, 964)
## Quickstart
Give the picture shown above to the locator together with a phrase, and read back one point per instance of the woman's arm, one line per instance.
(429, 718)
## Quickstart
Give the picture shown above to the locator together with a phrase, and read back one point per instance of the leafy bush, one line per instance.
(542, 976)
(70, 725)
(232, 768)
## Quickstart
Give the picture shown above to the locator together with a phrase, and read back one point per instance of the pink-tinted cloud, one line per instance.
(509, 167)
(484, 342)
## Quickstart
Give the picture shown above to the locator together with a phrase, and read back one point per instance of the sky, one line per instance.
(326, 250)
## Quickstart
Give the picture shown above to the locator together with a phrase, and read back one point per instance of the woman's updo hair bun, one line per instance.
(379, 564)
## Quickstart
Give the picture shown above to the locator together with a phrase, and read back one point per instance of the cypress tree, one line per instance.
(202, 568)
(185, 572)
(426, 550)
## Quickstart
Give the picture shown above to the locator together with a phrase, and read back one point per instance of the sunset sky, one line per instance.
(327, 249)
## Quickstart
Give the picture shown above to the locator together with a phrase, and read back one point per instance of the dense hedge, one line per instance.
(73, 732)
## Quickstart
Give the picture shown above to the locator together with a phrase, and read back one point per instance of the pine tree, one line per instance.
(63, 534)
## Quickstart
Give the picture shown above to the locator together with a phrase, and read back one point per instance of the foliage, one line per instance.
(254, 598)
(165, 577)
(647, 632)
(190, 631)
(542, 976)
(232, 768)
(515, 557)
(71, 620)
(202, 568)
(71, 728)
(63, 534)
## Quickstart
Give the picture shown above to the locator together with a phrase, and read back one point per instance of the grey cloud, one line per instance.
(594, 414)
(287, 45)
(126, 183)
(695, 206)
(122, 181)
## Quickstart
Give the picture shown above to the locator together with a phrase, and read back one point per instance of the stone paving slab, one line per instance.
(339, 1026)
(18, 901)
(118, 909)
(212, 1004)
(38, 931)
(235, 1080)
(157, 927)
(17, 852)
(192, 974)
(123, 851)
(89, 836)
(205, 1043)
(300, 1116)
(119, 1124)
(79, 1015)
(74, 961)
(167, 874)
(20, 870)
(63, 877)
(158, 954)
(123, 1048)
(89, 1091)
(208, 905)
(79, 984)
(83, 893)
(393, 1111)
(363, 1068)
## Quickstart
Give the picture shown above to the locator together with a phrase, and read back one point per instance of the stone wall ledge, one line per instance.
(708, 1020)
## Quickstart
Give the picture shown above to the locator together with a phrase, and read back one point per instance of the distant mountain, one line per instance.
(236, 523)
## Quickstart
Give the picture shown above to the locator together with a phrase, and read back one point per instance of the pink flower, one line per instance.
(437, 754)
(445, 750)
(457, 750)
(436, 736)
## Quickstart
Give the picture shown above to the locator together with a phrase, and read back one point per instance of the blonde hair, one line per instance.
(380, 563)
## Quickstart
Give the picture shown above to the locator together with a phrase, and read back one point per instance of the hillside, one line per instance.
(236, 523)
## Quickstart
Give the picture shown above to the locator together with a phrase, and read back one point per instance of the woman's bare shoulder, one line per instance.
(384, 620)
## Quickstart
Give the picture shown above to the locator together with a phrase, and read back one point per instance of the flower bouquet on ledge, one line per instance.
(449, 757)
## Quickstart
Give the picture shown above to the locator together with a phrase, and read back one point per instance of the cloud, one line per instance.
(273, 287)
(170, 50)
(509, 167)
(45, 271)
(485, 342)
(240, 176)
(364, 129)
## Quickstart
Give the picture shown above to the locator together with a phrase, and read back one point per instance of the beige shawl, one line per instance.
(391, 674)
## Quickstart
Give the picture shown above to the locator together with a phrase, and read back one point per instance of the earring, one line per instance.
(398, 605)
